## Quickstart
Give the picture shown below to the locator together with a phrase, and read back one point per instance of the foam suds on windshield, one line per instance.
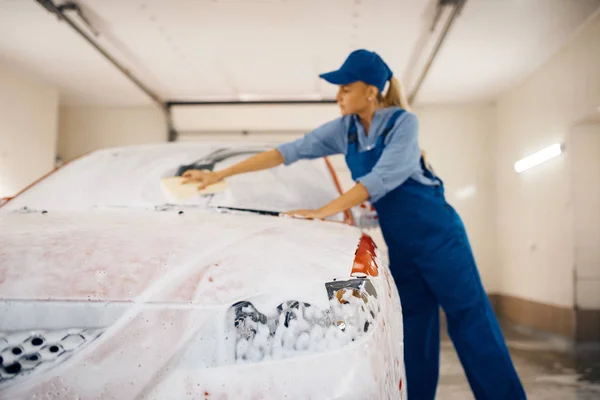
(131, 178)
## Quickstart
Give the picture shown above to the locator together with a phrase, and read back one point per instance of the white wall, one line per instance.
(28, 128)
(457, 139)
(584, 149)
(534, 209)
(83, 129)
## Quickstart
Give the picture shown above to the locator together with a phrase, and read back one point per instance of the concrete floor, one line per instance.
(549, 367)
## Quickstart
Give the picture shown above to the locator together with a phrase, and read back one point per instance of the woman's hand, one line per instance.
(351, 198)
(306, 214)
(204, 178)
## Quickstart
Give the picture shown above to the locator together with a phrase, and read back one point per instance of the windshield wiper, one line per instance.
(261, 212)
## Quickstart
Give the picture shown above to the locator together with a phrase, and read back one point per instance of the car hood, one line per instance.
(140, 304)
(202, 257)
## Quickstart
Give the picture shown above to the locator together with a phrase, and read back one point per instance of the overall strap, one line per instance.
(424, 166)
(353, 132)
(391, 122)
(426, 171)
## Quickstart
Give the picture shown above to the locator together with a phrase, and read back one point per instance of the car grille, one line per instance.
(23, 353)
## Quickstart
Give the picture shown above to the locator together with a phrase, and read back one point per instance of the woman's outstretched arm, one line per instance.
(265, 160)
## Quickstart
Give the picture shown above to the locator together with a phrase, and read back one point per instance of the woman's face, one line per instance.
(355, 98)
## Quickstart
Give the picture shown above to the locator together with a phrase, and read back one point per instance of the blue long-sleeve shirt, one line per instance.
(399, 161)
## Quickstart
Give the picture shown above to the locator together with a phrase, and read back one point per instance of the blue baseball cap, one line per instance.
(361, 65)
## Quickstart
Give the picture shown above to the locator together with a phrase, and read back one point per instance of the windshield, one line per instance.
(131, 177)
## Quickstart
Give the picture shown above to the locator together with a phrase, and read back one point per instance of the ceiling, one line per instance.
(274, 49)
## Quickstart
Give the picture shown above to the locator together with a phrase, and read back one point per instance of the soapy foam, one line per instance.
(130, 177)
(304, 329)
(168, 342)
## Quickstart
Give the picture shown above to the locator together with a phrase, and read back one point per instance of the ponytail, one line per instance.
(395, 95)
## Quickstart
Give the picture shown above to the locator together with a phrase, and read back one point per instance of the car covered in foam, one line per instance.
(110, 289)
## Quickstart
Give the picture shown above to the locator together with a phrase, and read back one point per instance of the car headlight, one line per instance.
(294, 328)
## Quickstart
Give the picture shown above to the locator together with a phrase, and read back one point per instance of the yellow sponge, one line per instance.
(173, 187)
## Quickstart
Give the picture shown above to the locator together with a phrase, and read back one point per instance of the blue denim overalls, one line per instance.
(432, 264)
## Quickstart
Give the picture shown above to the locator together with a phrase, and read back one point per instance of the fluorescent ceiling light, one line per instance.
(539, 157)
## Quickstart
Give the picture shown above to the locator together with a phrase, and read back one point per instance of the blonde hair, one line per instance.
(394, 96)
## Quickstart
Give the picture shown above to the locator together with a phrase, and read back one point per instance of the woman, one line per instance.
(430, 256)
